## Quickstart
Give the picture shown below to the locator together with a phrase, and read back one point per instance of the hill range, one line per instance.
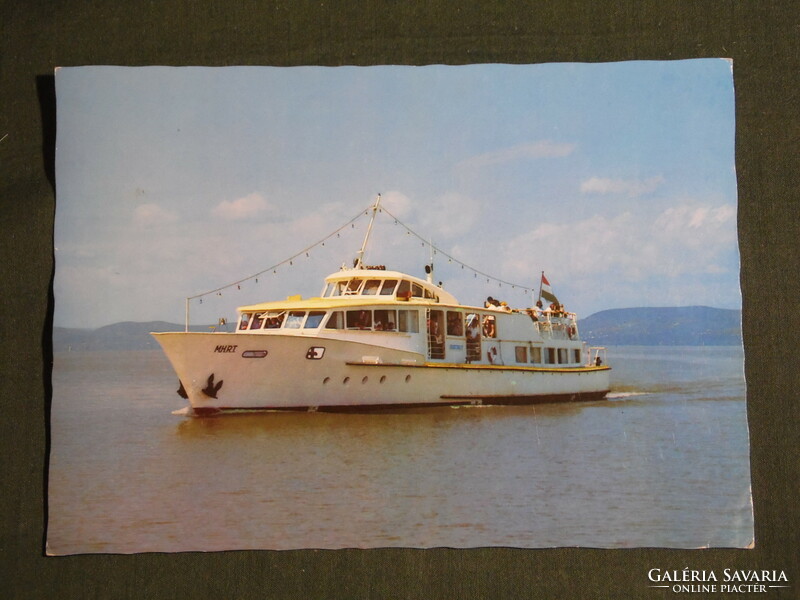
(671, 326)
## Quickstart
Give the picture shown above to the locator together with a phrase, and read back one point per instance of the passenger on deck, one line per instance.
(488, 327)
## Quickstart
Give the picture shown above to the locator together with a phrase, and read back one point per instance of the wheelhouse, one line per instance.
(377, 283)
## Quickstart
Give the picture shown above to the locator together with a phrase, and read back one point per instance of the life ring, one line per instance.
(491, 354)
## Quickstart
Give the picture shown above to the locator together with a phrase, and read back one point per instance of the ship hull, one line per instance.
(246, 372)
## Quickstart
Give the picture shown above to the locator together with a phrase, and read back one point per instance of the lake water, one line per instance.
(664, 461)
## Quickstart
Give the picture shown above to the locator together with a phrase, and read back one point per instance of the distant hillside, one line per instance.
(685, 326)
(119, 336)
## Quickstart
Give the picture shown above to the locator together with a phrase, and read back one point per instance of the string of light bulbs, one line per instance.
(283, 262)
(361, 213)
(437, 250)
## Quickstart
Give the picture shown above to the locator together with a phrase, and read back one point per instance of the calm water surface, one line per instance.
(663, 462)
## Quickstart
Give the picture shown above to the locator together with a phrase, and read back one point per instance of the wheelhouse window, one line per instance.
(404, 289)
(244, 321)
(359, 319)
(455, 324)
(416, 290)
(385, 320)
(258, 321)
(338, 288)
(371, 287)
(294, 319)
(273, 320)
(388, 287)
(352, 287)
(335, 321)
(314, 319)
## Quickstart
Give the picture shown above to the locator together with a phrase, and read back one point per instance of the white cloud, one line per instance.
(449, 215)
(529, 151)
(684, 239)
(630, 187)
(241, 208)
(153, 214)
(397, 203)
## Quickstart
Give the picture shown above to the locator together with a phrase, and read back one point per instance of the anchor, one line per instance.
(211, 390)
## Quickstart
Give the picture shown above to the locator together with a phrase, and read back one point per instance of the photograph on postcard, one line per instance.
(397, 306)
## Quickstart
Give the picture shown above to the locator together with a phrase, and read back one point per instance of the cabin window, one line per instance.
(416, 290)
(408, 321)
(576, 355)
(371, 287)
(245, 320)
(429, 294)
(314, 319)
(551, 356)
(352, 287)
(385, 320)
(388, 287)
(335, 321)
(359, 319)
(294, 320)
(404, 289)
(455, 324)
(562, 356)
(258, 321)
(521, 354)
(489, 327)
(536, 355)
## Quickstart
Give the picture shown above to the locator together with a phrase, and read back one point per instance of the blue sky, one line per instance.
(616, 179)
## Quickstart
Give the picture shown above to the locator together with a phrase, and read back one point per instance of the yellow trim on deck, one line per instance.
(585, 369)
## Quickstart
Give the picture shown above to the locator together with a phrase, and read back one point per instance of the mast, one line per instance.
(429, 268)
(360, 256)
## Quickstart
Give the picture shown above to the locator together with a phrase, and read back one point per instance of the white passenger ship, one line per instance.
(376, 338)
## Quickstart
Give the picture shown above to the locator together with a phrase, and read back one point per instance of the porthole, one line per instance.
(383, 378)
(365, 379)
(326, 380)
(346, 380)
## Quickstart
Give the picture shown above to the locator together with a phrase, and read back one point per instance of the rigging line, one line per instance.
(283, 262)
(442, 252)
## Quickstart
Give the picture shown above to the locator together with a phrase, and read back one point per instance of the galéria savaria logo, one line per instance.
(726, 581)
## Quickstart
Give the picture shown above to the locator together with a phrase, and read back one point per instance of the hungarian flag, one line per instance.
(546, 291)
